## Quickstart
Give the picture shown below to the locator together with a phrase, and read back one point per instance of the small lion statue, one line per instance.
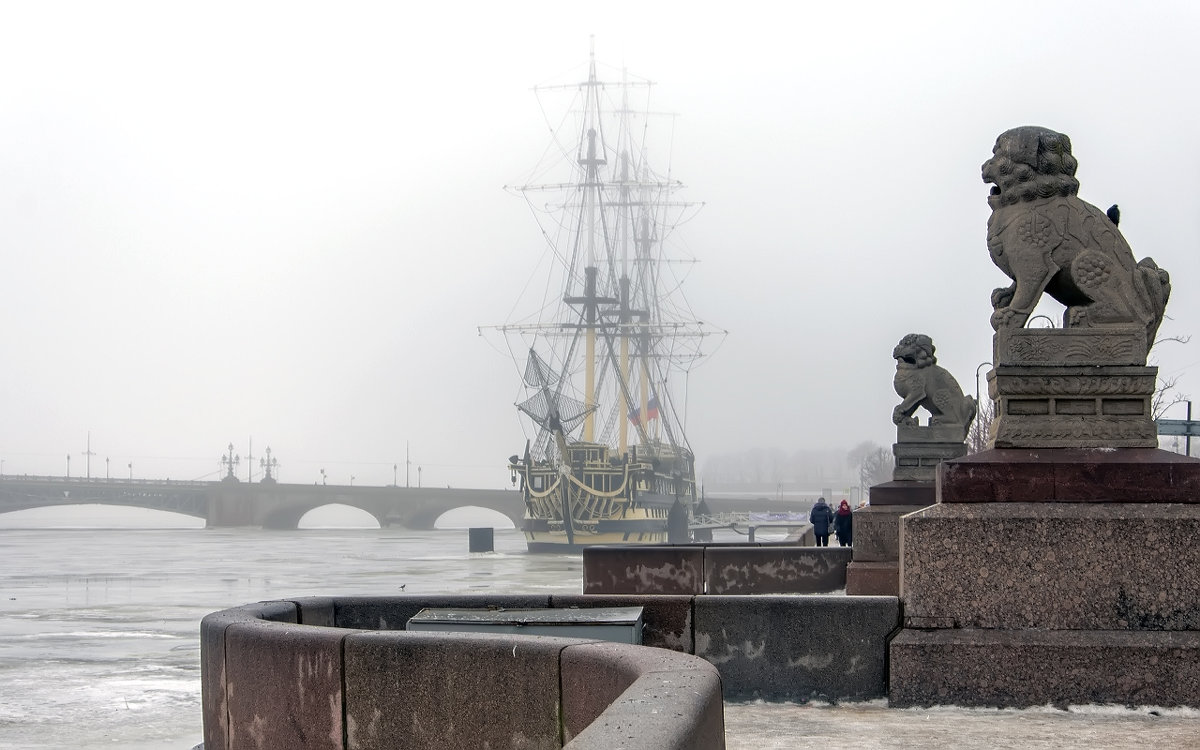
(1046, 239)
(921, 383)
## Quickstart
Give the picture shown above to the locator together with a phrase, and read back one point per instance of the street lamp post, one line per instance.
(106, 468)
(68, 466)
(418, 477)
(131, 471)
(351, 480)
(394, 467)
(977, 369)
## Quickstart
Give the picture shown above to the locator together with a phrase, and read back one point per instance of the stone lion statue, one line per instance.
(921, 383)
(1046, 239)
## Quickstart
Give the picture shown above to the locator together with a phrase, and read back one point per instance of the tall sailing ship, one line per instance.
(606, 352)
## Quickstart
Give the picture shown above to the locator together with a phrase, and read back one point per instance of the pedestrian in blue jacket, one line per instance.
(821, 518)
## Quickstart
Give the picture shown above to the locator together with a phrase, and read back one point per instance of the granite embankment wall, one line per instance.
(337, 673)
(343, 673)
(714, 568)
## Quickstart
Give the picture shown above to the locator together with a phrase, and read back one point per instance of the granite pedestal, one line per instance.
(875, 566)
(1052, 577)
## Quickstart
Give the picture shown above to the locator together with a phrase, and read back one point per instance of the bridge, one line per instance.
(281, 506)
(265, 505)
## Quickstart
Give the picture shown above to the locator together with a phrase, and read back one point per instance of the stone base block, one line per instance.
(1057, 566)
(918, 462)
(877, 532)
(1093, 347)
(873, 579)
(1007, 668)
(775, 570)
(797, 648)
(1069, 475)
(1073, 407)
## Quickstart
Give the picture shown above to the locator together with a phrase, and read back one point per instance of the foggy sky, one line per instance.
(285, 222)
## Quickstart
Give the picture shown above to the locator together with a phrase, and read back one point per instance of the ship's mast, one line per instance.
(592, 187)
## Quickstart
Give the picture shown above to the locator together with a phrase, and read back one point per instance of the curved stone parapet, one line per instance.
(340, 674)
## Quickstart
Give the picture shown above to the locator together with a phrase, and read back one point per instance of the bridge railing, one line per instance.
(102, 480)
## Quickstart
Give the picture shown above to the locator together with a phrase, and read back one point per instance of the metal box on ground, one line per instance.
(616, 624)
(481, 540)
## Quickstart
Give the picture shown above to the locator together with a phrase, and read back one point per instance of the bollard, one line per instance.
(482, 540)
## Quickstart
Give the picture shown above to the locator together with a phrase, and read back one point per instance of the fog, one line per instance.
(275, 224)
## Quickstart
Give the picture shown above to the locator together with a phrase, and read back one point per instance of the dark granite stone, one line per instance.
(413, 690)
(1058, 566)
(1024, 668)
(779, 647)
(903, 493)
(303, 710)
(1066, 475)
(873, 579)
(775, 570)
(315, 610)
(596, 675)
(643, 569)
(659, 710)
(666, 619)
(213, 677)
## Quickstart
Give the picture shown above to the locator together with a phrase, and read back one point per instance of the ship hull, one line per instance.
(540, 537)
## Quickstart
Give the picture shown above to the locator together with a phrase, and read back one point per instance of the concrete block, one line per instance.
(775, 570)
(666, 619)
(393, 612)
(285, 686)
(1007, 668)
(643, 569)
(433, 690)
(873, 579)
(1058, 566)
(797, 647)
(214, 701)
(1065, 475)
(675, 702)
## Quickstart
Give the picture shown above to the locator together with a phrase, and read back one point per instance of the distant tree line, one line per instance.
(769, 468)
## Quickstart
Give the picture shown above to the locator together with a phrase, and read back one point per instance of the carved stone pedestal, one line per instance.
(920, 448)
(1072, 388)
(875, 566)
(1056, 588)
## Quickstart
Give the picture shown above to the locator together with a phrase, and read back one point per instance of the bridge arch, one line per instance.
(338, 516)
(99, 515)
(468, 516)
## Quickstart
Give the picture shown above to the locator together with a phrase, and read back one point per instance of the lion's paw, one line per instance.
(1006, 317)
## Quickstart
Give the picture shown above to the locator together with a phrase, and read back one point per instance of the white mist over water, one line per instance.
(99, 637)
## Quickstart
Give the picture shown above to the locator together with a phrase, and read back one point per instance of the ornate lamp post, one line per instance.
(230, 463)
(269, 466)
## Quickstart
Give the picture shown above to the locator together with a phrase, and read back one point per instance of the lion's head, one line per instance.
(914, 352)
(1029, 163)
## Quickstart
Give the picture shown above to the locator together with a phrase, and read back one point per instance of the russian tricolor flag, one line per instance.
(651, 412)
